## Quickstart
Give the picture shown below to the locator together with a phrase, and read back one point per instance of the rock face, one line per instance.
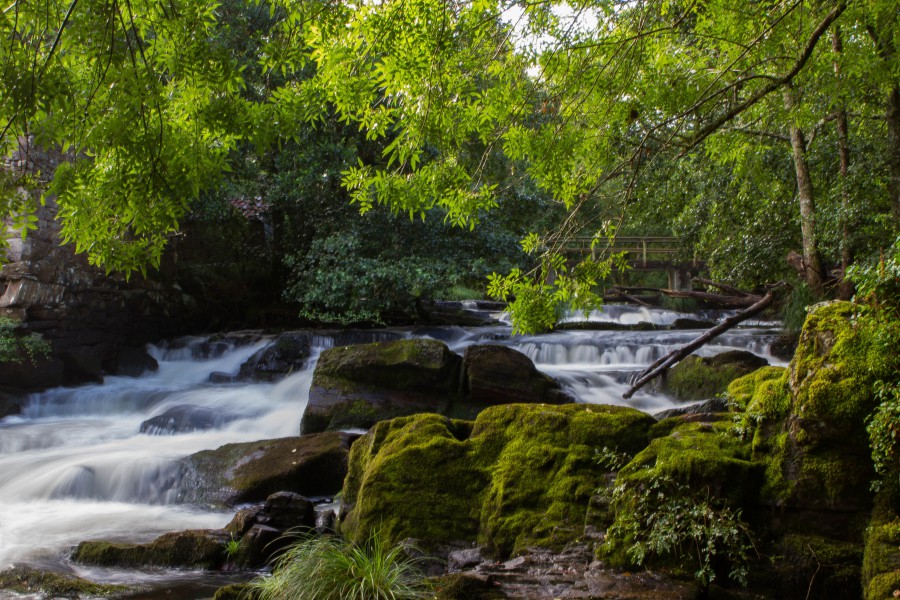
(700, 378)
(358, 386)
(520, 475)
(312, 465)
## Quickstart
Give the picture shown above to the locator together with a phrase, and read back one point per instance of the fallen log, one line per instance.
(722, 286)
(659, 367)
(717, 299)
(630, 298)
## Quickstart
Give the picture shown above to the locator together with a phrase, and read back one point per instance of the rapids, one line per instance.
(74, 464)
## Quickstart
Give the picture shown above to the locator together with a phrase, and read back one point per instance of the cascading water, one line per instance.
(75, 465)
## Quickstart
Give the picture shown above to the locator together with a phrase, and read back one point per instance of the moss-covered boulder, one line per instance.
(313, 465)
(236, 591)
(699, 378)
(36, 582)
(520, 475)
(881, 562)
(495, 374)
(192, 549)
(357, 386)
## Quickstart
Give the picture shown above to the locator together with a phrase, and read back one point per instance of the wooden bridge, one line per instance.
(644, 253)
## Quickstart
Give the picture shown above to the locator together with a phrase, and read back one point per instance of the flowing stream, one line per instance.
(74, 465)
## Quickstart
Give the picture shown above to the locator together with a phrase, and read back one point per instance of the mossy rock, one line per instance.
(27, 580)
(313, 465)
(881, 563)
(493, 374)
(703, 456)
(832, 375)
(521, 476)
(357, 386)
(192, 549)
(699, 378)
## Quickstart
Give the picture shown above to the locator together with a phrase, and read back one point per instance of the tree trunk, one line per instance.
(893, 138)
(845, 288)
(812, 265)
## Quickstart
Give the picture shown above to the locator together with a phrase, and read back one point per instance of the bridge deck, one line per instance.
(651, 253)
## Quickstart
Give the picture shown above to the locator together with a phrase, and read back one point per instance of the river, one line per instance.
(74, 465)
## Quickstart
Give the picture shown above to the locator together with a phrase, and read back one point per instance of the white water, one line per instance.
(74, 466)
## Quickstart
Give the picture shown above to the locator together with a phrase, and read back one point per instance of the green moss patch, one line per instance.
(881, 563)
(26, 580)
(523, 475)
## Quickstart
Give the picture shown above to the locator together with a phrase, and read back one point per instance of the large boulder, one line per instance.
(700, 378)
(494, 374)
(37, 583)
(357, 386)
(313, 465)
(192, 549)
(520, 475)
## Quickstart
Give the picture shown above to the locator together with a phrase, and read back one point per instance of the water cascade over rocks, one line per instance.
(104, 461)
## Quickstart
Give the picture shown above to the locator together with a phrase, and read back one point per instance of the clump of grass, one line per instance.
(793, 309)
(330, 568)
(459, 292)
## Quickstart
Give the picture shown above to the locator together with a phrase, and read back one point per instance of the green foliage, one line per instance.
(330, 568)
(16, 348)
(883, 426)
(662, 518)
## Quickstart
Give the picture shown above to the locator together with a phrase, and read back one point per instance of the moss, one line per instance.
(881, 563)
(199, 549)
(701, 455)
(521, 475)
(697, 378)
(464, 587)
(764, 391)
(26, 580)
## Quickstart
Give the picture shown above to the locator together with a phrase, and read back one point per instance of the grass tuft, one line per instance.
(331, 568)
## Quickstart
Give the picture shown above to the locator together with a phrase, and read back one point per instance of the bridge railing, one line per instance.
(643, 249)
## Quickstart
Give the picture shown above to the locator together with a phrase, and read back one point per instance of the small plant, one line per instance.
(794, 307)
(16, 348)
(664, 518)
(232, 547)
(330, 568)
(611, 458)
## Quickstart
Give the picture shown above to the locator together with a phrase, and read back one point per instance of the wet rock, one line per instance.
(10, 404)
(220, 377)
(236, 591)
(287, 354)
(495, 374)
(684, 323)
(698, 378)
(709, 407)
(30, 376)
(131, 362)
(192, 549)
(462, 559)
(357, 386)
(243, 520)
(326, 521)
(313, 465)
(287, 510)
(186, 418)
(260, 545)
